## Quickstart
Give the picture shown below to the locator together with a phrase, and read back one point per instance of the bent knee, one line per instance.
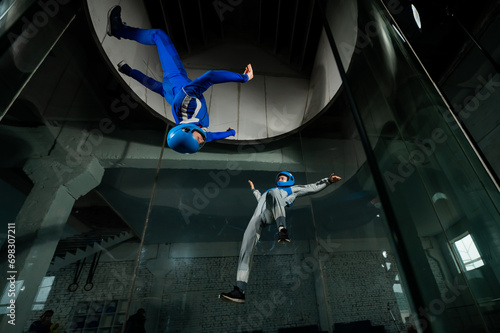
(158, 33)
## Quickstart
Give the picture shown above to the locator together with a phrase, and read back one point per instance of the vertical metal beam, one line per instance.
(294, 26)
(277, 28)
(184, 26)
(308, 31)
(221, 28)
(203, 35)
(164, 14)
(259, 37)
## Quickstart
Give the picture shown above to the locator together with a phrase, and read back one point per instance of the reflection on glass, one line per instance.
(468, 252)
(416, 16)
(341, 268)
(10, 294)
(438, 188)
(43, 292)
(397, 31)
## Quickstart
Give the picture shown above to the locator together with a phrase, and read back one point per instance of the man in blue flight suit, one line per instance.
(270, 209)
(189, 107)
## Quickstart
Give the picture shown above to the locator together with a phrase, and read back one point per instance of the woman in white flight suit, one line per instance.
(270, 209)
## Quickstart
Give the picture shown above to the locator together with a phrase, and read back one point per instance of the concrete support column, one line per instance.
(39, 226)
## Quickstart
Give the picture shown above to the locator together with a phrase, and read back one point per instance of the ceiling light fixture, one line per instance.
(416, 16)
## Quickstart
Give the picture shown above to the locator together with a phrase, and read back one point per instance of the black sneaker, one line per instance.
(114, 21)
(236, 296)
(124, 68)
(283, 236)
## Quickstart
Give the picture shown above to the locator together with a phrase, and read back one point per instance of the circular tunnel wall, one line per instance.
(277, 101)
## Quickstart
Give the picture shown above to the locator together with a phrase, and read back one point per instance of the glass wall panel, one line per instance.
(360, 276)
(338, 272)
(201, 210)
(78, 163)
(104, 225)
(438, 188)
(28, 32)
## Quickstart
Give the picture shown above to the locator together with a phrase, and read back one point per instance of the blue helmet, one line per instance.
(289, 182)
(181, 139)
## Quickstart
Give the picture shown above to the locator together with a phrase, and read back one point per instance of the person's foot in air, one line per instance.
(236, 296)
(124, 68)
(283, 236)
(115, 23)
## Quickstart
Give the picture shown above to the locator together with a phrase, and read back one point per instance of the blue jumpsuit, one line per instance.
(185, 95)
(270, 209)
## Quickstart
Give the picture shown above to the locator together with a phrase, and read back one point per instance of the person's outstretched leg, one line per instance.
(174, 73)
(143, 79)
(250, 239)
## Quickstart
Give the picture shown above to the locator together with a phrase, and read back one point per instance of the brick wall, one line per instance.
(360, 288)
(191, 304)
(281, 292)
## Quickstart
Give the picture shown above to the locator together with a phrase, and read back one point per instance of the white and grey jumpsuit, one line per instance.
(270, 209)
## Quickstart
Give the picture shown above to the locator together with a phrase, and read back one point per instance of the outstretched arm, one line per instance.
(256, 193)
(212, 136)
(301, 190)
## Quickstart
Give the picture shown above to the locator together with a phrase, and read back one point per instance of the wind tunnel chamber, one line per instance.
(407, 241)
